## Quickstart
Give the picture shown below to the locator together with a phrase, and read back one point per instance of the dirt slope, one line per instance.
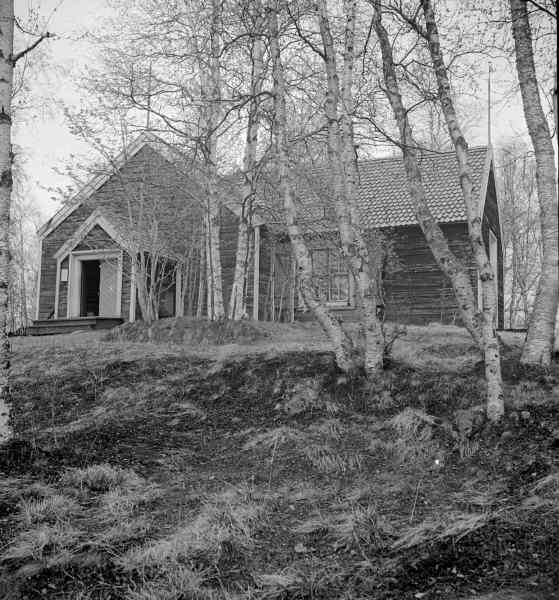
(149, 471)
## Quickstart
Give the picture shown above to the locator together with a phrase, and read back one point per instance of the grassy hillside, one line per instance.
(151, 470)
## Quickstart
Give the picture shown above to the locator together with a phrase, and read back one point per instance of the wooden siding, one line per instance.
(125, 290)
(416, 291)
(48, 263)
(146, 168)
(229, 223)
(63, 291)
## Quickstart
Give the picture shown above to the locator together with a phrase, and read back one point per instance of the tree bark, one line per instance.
(237, 305)
(343, 347)
(539, 343)
(434, 236)
(6, 85)
(492, 357)
(344, 184)
(211, 98)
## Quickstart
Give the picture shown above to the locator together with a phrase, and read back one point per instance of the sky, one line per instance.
(43, 136)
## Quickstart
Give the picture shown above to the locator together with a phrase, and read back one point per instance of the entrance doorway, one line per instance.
(90, 288)
(95, 285)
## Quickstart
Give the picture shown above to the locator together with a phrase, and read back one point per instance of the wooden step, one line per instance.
(55, 326)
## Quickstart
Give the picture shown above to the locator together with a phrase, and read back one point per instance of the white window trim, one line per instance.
(336, 304)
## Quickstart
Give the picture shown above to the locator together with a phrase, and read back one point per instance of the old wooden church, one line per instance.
(148, 201)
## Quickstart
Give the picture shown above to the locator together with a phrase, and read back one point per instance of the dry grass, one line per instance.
(100, 478)
(226, 521)
(446, 348)
(176, 582)
(49, 509)
(89, 511)
(45, 542)
(454, 525)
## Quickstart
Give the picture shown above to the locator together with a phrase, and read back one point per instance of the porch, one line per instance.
(55, 326)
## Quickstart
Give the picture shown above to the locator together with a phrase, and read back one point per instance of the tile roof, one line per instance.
(384, 198)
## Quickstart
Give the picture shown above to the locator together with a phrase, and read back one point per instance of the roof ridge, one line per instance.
(425, 154)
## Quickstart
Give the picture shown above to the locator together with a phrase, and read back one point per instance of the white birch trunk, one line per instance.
(434, 236)
(368, 275)
(6, 84)
(539, 344)
(237, 305)
(492, 358)
(210, 84)
(343, 175)
(343, 347)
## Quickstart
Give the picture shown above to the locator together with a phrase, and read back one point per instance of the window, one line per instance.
(330, 275)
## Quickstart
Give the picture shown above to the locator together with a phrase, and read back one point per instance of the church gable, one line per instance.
(97, 239)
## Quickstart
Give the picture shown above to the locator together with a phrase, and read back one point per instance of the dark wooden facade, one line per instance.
(415, 289)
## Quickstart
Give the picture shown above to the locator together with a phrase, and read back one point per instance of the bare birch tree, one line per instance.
(490, 343)
(237, 306)
(8, 60)
(338, 109)
(539, 343)
(210, 93)
(449, 264)
(343, 346)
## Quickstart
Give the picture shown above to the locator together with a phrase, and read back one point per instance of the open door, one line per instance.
(108, 287)
(89, 301)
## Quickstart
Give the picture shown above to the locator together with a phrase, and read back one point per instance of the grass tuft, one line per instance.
(176, 582)
(228, 520)
(100, 478)
(454, 525)
(47, 510)
(330, 461)
(44, 541)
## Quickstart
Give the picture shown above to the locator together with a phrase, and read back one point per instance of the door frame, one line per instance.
(73, 307)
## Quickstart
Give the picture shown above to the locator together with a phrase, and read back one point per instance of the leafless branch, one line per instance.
(15, 57)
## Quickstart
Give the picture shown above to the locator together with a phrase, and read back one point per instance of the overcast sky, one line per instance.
(43, 135)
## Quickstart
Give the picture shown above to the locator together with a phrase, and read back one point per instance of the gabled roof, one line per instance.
(194, 189)
(146, 138)
(95, 218)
